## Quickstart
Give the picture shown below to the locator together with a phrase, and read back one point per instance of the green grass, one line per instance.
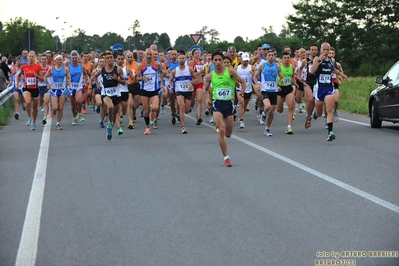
(354, 94)
(5, 112)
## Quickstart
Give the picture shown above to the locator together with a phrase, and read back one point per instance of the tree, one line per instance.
(183, 43)
(239, 40)
(109, 39)
(134, 27)
(12, 38)
(164, 42)
(214, 35)
(362, 32)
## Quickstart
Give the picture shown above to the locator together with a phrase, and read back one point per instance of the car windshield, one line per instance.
(393, 75)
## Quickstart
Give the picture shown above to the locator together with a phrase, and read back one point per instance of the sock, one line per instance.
(330, 127)
(226, 157)
(147, 120)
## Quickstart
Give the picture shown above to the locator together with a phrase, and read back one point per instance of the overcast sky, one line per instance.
(176, 18)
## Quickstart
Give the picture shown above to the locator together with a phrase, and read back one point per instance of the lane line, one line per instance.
(27, 250)
(347, 187)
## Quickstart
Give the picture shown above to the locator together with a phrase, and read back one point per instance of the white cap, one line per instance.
(245, 57)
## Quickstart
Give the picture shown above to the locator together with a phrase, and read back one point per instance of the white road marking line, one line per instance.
(318, 174)
(27, 249)
(354, 122)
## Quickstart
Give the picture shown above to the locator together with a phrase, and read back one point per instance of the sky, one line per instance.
(228, 18)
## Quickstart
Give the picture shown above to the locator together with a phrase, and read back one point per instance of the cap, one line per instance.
(245, 57)
(265, 46)
(48, 51)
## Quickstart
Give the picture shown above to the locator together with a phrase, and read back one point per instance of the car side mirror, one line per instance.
(379, 80)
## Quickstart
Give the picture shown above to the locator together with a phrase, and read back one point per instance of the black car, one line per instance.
(384, 100)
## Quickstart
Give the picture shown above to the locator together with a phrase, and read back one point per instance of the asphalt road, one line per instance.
(72, 197)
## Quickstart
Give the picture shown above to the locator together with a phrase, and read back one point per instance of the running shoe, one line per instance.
(293, 116)
(24, 106)
(147, 131)
(120, 131)
(101, 123)
(289, 131)
(162, 109)
(211, 120)
(326, 125)
(227, 162)
(44, 121)
(336, 118)
(81, 118)
(16, 116)
(98, 109)
(308, 124)
(51, 114)
(121, 119)
(153, 116)
(29, 122)
(330, 136)
(206, 112)
(130, 125)
(183, 130)
(155, 125)
(300, 109)
(105, 118)
(109, 131)
(84, 111)
(42, 109)
(74, 121)
(217, 130)
(199, 121)
(173, 120)
(134, 119)
(267, 132)
(262, 119)
(58, 127)
(33, 126)
(314, 116)
(242, 124)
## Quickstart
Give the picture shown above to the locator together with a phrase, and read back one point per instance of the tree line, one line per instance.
(364, 34)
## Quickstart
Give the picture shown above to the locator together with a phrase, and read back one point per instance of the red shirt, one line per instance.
(198, 67)
(30, 79)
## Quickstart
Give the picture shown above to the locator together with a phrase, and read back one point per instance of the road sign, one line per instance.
(116, 47)
(197, 47)
(196, 37)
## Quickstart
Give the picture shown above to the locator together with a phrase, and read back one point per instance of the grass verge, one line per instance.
(5, 112)
(354, 94)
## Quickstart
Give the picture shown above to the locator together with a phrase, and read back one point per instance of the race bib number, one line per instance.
(287, 81)
(325, 78)
(270, 86)
(111, 91)
(150, 79)
(199, 68)
(58, 85)
(223, 94)
(31, 81)
(42, 84)
(74, 85)
(184, 87)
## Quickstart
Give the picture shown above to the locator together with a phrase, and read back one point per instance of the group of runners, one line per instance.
(142, 83)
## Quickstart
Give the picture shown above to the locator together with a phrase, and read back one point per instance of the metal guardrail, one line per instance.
(5, 96)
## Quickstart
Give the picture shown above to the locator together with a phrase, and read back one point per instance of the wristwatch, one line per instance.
(319, 61)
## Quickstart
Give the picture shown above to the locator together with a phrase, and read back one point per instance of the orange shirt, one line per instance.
(133, 68)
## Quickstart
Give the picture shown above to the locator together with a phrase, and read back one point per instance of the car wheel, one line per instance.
(375, 121)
